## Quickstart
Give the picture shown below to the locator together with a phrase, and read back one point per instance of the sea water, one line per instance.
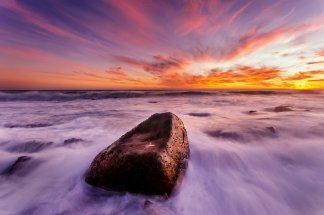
(245, 158)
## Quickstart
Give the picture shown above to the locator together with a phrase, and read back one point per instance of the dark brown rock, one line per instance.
(282, 109)
(148, 159)
(199, 114)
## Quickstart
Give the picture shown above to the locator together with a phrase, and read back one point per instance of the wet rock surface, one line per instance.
(149, 159)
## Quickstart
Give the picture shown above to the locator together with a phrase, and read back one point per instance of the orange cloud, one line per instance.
(114, 75)
(304, 75)
(51, 72)
(242, 76)
(166, 71)
(172, 72)
(321, 53)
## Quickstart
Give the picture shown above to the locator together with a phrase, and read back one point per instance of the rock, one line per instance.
(149, 159)
(199, 114)
(17, 165)
(282, 109)
(71, 141)
(31, 125)
(230, 135)
(272, 129)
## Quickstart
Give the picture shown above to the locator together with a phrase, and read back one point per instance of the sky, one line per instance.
(161, 44)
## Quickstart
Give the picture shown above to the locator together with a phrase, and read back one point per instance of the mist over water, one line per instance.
(245, 157)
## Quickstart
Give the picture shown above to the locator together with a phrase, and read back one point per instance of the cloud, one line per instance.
(169, 39)
(304, 75)
(317, 80)
(238, 12)
(160, 65)
(166, 70)
(173, 72)
(299, 76)
(254, 40)
(119, 75)
(114, 74)
(315, 62)
(321, 53)
(238, 76)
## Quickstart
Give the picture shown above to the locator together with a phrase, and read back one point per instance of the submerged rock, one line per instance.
(282, 109)
(71, 141)
(244, 135)
(31, 125)
(16, 166)
(202, 114)
(271, 129)
(148, 159)
(230, 135)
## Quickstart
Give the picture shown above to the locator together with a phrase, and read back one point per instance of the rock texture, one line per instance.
(149, 159)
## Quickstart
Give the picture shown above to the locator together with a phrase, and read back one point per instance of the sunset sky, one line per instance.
(161, 44)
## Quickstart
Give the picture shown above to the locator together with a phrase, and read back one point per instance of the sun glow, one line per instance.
(302, 85)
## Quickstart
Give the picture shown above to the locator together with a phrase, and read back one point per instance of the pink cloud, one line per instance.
(253, 40)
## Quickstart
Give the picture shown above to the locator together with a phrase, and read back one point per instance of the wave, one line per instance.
(44, 95)
(90, 95)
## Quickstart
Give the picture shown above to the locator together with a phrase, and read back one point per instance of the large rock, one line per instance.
(148, 159)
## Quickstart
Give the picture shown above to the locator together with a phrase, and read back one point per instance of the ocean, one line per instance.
(246, 155)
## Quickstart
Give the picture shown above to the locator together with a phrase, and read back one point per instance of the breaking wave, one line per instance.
(98, 95)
